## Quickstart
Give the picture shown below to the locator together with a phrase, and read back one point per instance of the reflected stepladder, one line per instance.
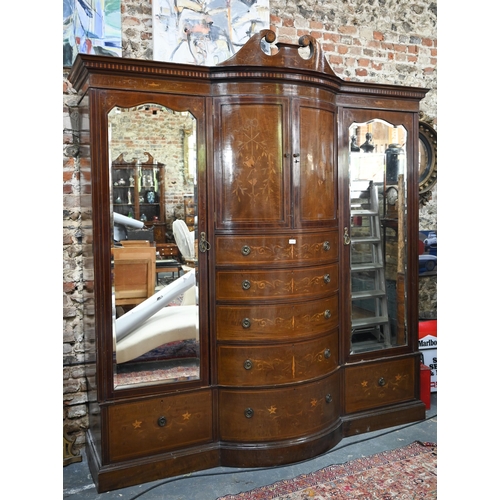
(377, 233)
(153, 170)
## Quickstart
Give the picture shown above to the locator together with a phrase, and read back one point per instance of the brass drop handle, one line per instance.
(328, 398)
(347, 238)
(381, 381)
(246, 323)
(204, 245)
(248, 365)
(162, 421)
(327, 353)
(326, 246)
(245, 284)
(326, 278)
(328, 314)
(249, 413)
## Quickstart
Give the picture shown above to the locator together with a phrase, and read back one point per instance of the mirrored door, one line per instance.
(377, 235)
(154, 219)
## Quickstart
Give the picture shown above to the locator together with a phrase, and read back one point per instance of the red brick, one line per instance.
(364, 62)
(399, 47)
(316, 25)
(336, 60)
(69, 287)
(427, 42)
(377, 35)
(348, 30)
(288, 22)
(275, 20)
(331, 36)
(361, 72)
(342, 49)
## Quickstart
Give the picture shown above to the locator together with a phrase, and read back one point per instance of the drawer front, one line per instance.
(378, 384)
(238, 250)
(278, 321)
(167, 250)
(277, 364)
(158, 425)
(278, 414)
(277, 284)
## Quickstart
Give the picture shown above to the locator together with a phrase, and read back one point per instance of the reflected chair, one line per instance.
(184, 239)
(134, 274)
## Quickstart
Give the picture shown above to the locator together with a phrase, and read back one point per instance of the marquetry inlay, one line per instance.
(137, 424)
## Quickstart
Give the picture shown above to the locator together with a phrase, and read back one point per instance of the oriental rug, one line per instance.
(402, 474)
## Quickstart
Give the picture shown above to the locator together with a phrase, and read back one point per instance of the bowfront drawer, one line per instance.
(277, 364)
(277, 284)
(379, 384)
(318, 248)
(160, 424)
(277, 321)
(278, 414)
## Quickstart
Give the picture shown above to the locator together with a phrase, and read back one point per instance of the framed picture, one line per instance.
(205, 33)
(91, 27)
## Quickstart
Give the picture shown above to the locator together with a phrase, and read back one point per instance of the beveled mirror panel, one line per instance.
(377, 235)
(153, 199)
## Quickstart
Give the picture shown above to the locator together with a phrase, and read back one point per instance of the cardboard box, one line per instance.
(427, 344)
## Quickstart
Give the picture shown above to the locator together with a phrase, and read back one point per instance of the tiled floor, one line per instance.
(213, 483)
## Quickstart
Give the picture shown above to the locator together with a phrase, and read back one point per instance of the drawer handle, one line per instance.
(162, 421)
(246, 323)
(245, 250)
(249, 413)
(327, 353)
(328, 398)
(381, 381)
(328, 314)
(245, 284)
(326, 246)
(326, 278)
(248, 365)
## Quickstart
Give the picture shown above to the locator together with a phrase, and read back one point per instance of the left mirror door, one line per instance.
(153, 199)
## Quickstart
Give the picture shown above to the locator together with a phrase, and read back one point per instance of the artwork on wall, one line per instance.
(91, 27)
(205, 32)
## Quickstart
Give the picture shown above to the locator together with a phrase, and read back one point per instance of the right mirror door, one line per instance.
(377, 235)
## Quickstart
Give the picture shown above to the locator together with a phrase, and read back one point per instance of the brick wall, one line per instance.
(382, 41)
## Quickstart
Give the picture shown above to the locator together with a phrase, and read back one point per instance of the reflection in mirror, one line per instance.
(377, 177)
(152, 151)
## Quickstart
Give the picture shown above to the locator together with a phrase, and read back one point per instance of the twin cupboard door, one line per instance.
(275, 163)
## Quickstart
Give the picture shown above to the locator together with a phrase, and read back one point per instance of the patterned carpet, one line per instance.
(403, 474)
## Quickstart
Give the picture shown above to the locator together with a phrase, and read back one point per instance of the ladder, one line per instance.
(369, 314)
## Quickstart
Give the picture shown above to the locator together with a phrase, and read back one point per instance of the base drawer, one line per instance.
(278, 414)
(160, 424)
(371, 385)
(277, 364)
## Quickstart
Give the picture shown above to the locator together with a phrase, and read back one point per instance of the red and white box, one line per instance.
(427, 344)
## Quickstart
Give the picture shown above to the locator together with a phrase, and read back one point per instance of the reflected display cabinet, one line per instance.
(297, 324)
